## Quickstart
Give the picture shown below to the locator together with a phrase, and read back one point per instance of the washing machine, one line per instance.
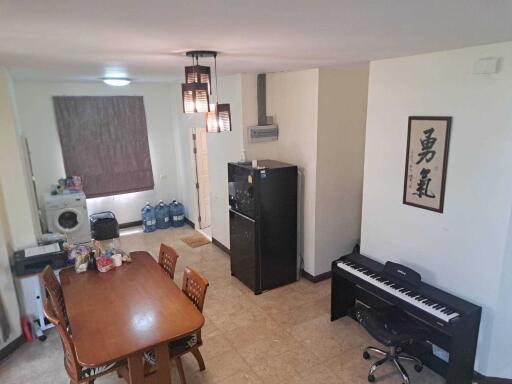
(67, 214)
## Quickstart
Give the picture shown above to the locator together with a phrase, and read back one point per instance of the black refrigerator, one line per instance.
(263, 223)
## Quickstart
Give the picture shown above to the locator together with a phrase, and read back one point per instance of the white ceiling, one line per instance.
(84, 39)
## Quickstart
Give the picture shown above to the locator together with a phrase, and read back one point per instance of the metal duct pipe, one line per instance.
(262, 98)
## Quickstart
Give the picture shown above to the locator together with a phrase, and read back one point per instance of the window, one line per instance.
(104, 140)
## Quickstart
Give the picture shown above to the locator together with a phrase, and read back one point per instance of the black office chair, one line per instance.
(393, 328)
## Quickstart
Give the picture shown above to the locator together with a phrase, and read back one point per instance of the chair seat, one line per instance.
(179, 346)
(89, 372)
(390, 326)
(176, 348)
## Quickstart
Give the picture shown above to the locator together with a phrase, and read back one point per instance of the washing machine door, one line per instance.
(68, 220)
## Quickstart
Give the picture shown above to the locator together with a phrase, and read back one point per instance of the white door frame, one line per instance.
(199, 216)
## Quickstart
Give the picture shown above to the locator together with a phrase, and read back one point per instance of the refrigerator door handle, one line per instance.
(241, 214)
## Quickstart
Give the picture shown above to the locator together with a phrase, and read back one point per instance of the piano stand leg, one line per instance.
(377, 364)
(375, 350)
(402, 371)
(417, 362)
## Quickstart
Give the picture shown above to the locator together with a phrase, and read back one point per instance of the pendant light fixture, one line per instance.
(195, 97)
(219, 117)
(198, 74)
(195, 91)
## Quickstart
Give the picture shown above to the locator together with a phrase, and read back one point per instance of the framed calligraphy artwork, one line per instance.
(426, 161)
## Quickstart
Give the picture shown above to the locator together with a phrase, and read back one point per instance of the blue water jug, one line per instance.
(163, 219)
(177, 211)
(148, 218)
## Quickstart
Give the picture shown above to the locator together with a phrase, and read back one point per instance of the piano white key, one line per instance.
(398, 292)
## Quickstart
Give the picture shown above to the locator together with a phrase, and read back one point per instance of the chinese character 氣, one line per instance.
(423, 184)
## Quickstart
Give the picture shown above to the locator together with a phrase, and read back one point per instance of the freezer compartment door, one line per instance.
(244, 249)
(242, 190)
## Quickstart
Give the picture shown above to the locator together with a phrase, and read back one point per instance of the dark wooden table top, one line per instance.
(126, 310)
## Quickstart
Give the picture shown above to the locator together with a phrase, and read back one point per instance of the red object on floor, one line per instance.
(25, 326)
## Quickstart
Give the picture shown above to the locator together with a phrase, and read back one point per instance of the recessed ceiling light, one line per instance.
(116, 81)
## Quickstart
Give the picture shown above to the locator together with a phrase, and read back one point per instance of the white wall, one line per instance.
(12, 172)
(343, 94)
(8, 298)
(37, 119)
(185, 124)
(292, 99)
(464, 250)
(321, 114)
(16, 224)
(222, 148)
(20, 216)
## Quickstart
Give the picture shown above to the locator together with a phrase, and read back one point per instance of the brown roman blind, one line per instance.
(104, 140)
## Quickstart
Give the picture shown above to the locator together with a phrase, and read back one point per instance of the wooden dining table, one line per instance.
(124, 312)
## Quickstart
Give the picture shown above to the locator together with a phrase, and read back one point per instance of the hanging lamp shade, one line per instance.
(195, 97)
(199, 74)
(219, 119)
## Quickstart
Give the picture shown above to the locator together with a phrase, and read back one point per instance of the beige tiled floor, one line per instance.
(282, 336)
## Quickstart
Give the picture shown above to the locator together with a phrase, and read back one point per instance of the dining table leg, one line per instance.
(163, 364)
(136, 369)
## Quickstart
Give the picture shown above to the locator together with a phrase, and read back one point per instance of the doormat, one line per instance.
(196, 240)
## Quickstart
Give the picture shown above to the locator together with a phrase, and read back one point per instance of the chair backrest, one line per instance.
(70, 359)
(194, 286)
(53, 290)
(168, 259)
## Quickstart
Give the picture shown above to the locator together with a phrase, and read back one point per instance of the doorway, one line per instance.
(202, 186)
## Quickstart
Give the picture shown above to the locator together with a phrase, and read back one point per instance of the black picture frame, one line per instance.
(416, 197)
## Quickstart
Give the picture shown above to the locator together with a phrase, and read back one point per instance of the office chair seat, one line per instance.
(390, 326)
(393, 328)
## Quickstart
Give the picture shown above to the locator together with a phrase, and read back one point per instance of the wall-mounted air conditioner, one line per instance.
(261, 133)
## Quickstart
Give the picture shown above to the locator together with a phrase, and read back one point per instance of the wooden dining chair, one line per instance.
(167, 259)
(51, 286)
(77, 373)
(194, 286)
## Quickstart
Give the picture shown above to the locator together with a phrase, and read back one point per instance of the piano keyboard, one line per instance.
(424, 303)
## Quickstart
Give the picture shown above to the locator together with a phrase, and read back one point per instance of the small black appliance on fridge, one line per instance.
(263, 223)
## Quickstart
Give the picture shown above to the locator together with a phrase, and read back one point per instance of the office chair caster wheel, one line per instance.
(371, 378)
(366, 355)
(418, 367)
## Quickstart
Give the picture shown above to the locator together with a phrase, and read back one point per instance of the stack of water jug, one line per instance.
(162, 216)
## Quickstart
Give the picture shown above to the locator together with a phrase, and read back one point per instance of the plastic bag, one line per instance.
(81, 256)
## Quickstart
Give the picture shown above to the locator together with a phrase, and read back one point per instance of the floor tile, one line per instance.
(283, 336)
